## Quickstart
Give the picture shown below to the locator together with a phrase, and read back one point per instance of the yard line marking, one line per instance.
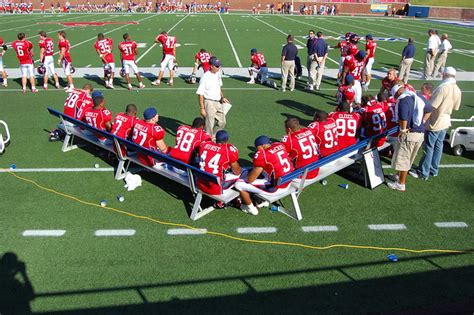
(56, 170)
(230, 42)
(44, 233)
(186, 231)
(387, 227)
(252, 230)
(114, 232)
(451, 224)
(445, 166)
(154, 44)
(268, 24)
(320, 228)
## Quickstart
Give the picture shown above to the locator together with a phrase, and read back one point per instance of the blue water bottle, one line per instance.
(275, 208)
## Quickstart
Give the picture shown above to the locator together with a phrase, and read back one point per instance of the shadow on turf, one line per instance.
(439, 290)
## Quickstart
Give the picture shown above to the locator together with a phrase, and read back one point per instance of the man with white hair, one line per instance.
(441, 56)
(446, 98)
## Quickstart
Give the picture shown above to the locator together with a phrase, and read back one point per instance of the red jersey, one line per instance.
(168, 43)
(215, 159)
(258, 60)
(343, 47)
(347, 126)
(326, 136)
(48, 45)
(128, 50)
(23, 51)
(391, 117)
(352, 49)
(370, 48)
(187, 140)
(123, 125)
(374, 120)
(104, 47)
(275, 162)
(302, 148)
(355, 66)
(97, 118)
(204, 58)
(345, 92)
(86, 104)
(74, 102)
(67, 46)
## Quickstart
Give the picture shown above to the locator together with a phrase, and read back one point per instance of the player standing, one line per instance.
(343, 46)
(355, 65)
(46, 46)
(201, 60)
(259, 66)
(104, 46)
(370, 47)
(24, 53)
(3, 50)
(65, 59)
(188, 139)
(325, 131)
(128, 50)
(348, 125)
(169, 56)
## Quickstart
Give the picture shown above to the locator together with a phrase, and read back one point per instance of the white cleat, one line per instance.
(249, 209)
(156, 83)
(141, 86)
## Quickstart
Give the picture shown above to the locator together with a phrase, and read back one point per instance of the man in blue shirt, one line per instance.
(408, 55)
(413, 111)
(311, 61)
(321, 55)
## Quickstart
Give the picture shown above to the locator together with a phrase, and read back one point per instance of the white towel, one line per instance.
(132, 181)
(418, 110)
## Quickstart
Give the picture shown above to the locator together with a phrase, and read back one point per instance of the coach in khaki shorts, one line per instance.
(288, 55)
(413, 111)
(211, 99)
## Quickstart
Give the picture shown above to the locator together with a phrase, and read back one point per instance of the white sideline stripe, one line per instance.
(451, 224)
(154, 44)
(389, 227)
(230, 42)
(114, 232)
(445, 166)
(44, 232)
(56, 170)
(320, 228)
(251, 230)
(186, 231)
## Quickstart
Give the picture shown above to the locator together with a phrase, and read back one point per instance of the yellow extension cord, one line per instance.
(246, 240)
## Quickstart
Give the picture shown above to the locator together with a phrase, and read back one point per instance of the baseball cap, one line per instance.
(215, 62)
(222, 136)
(149, 113)
(361, 54)
(253, 50)
(369, 36)
(96, 94)
(450, 71)
(395, 89)
(349, 79)
(261, 140)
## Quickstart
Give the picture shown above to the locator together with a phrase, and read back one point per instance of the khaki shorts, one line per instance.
(405, 152)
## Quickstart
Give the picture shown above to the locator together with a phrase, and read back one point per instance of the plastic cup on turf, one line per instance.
(344, 186)
(13, 166)
(324, 182)
(120, 198)
(103, 203)
(392, 257)
(96, 165)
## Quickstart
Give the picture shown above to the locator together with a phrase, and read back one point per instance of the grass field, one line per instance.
(155, 272)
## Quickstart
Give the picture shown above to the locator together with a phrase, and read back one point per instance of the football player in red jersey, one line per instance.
(346, 91)
(259, 65)
(355, 65)
(343, 46)
(219, 158)
(201, 60)
(348, 125)
(104, 47)
(77, 101)
(98, 117)
(169, 56)
(301, 145)
(124, 122)
(150, 135)
(325, 131)
(374, 121)
(3, 50)
(271, 160)
(46, 46)
(128, 50)
(65, 58)
(188, 139)
(24, 53)
(370, 47)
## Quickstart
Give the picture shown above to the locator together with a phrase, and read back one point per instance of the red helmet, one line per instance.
(348, 35)
(1, 41)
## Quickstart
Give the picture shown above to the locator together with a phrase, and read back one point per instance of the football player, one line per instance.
(272, 161)
(346, 91)
(201, 60)
(219, 158)
(355, 65)
(3, 50)
(78, 101)
(104, 47)
(343, 46)
(128, 50)
(259, 66)
(325, 131)
(65, 59)
(188, 139)
(353, 41)
(348, 125)
(169, 56)
(374, 121)
(99, 117)
(24, 53)
(301, 145)
(46, 46)
(150, 135)
(370, 47)
(124, 122)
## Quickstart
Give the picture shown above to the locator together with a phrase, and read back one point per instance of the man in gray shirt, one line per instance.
(288, 55)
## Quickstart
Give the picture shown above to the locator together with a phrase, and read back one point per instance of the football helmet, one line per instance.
(354, 38)
(191, 79)
(73, 69)
(107, 70)
(56, 135)
(348, 35)
(122, 72)
(4, 47)
(41, 69)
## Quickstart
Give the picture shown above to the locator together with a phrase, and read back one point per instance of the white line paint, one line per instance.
(114, 232)
(154, 44)
(320, 228)
(56, 170)
(252, 230)
(387, 227)
(451, 224)
(446, 166)
(29, 24)
(186, 231)
(44, 233)
(230, 41)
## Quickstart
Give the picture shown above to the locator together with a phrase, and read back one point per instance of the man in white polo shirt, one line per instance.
(431, 51)
(441, 56)
(211, 99)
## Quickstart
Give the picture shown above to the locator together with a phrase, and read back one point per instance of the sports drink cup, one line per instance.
(103, 203)
(96, 165)
(120, 198)
(275, 208)
(392, 257)
(324, 182)
(344, 186)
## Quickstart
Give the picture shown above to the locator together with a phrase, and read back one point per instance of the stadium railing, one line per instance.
(126, 153)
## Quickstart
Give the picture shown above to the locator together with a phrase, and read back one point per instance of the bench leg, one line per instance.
(197, 211)
(67, 144)
(121, 170)
(295, 212)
